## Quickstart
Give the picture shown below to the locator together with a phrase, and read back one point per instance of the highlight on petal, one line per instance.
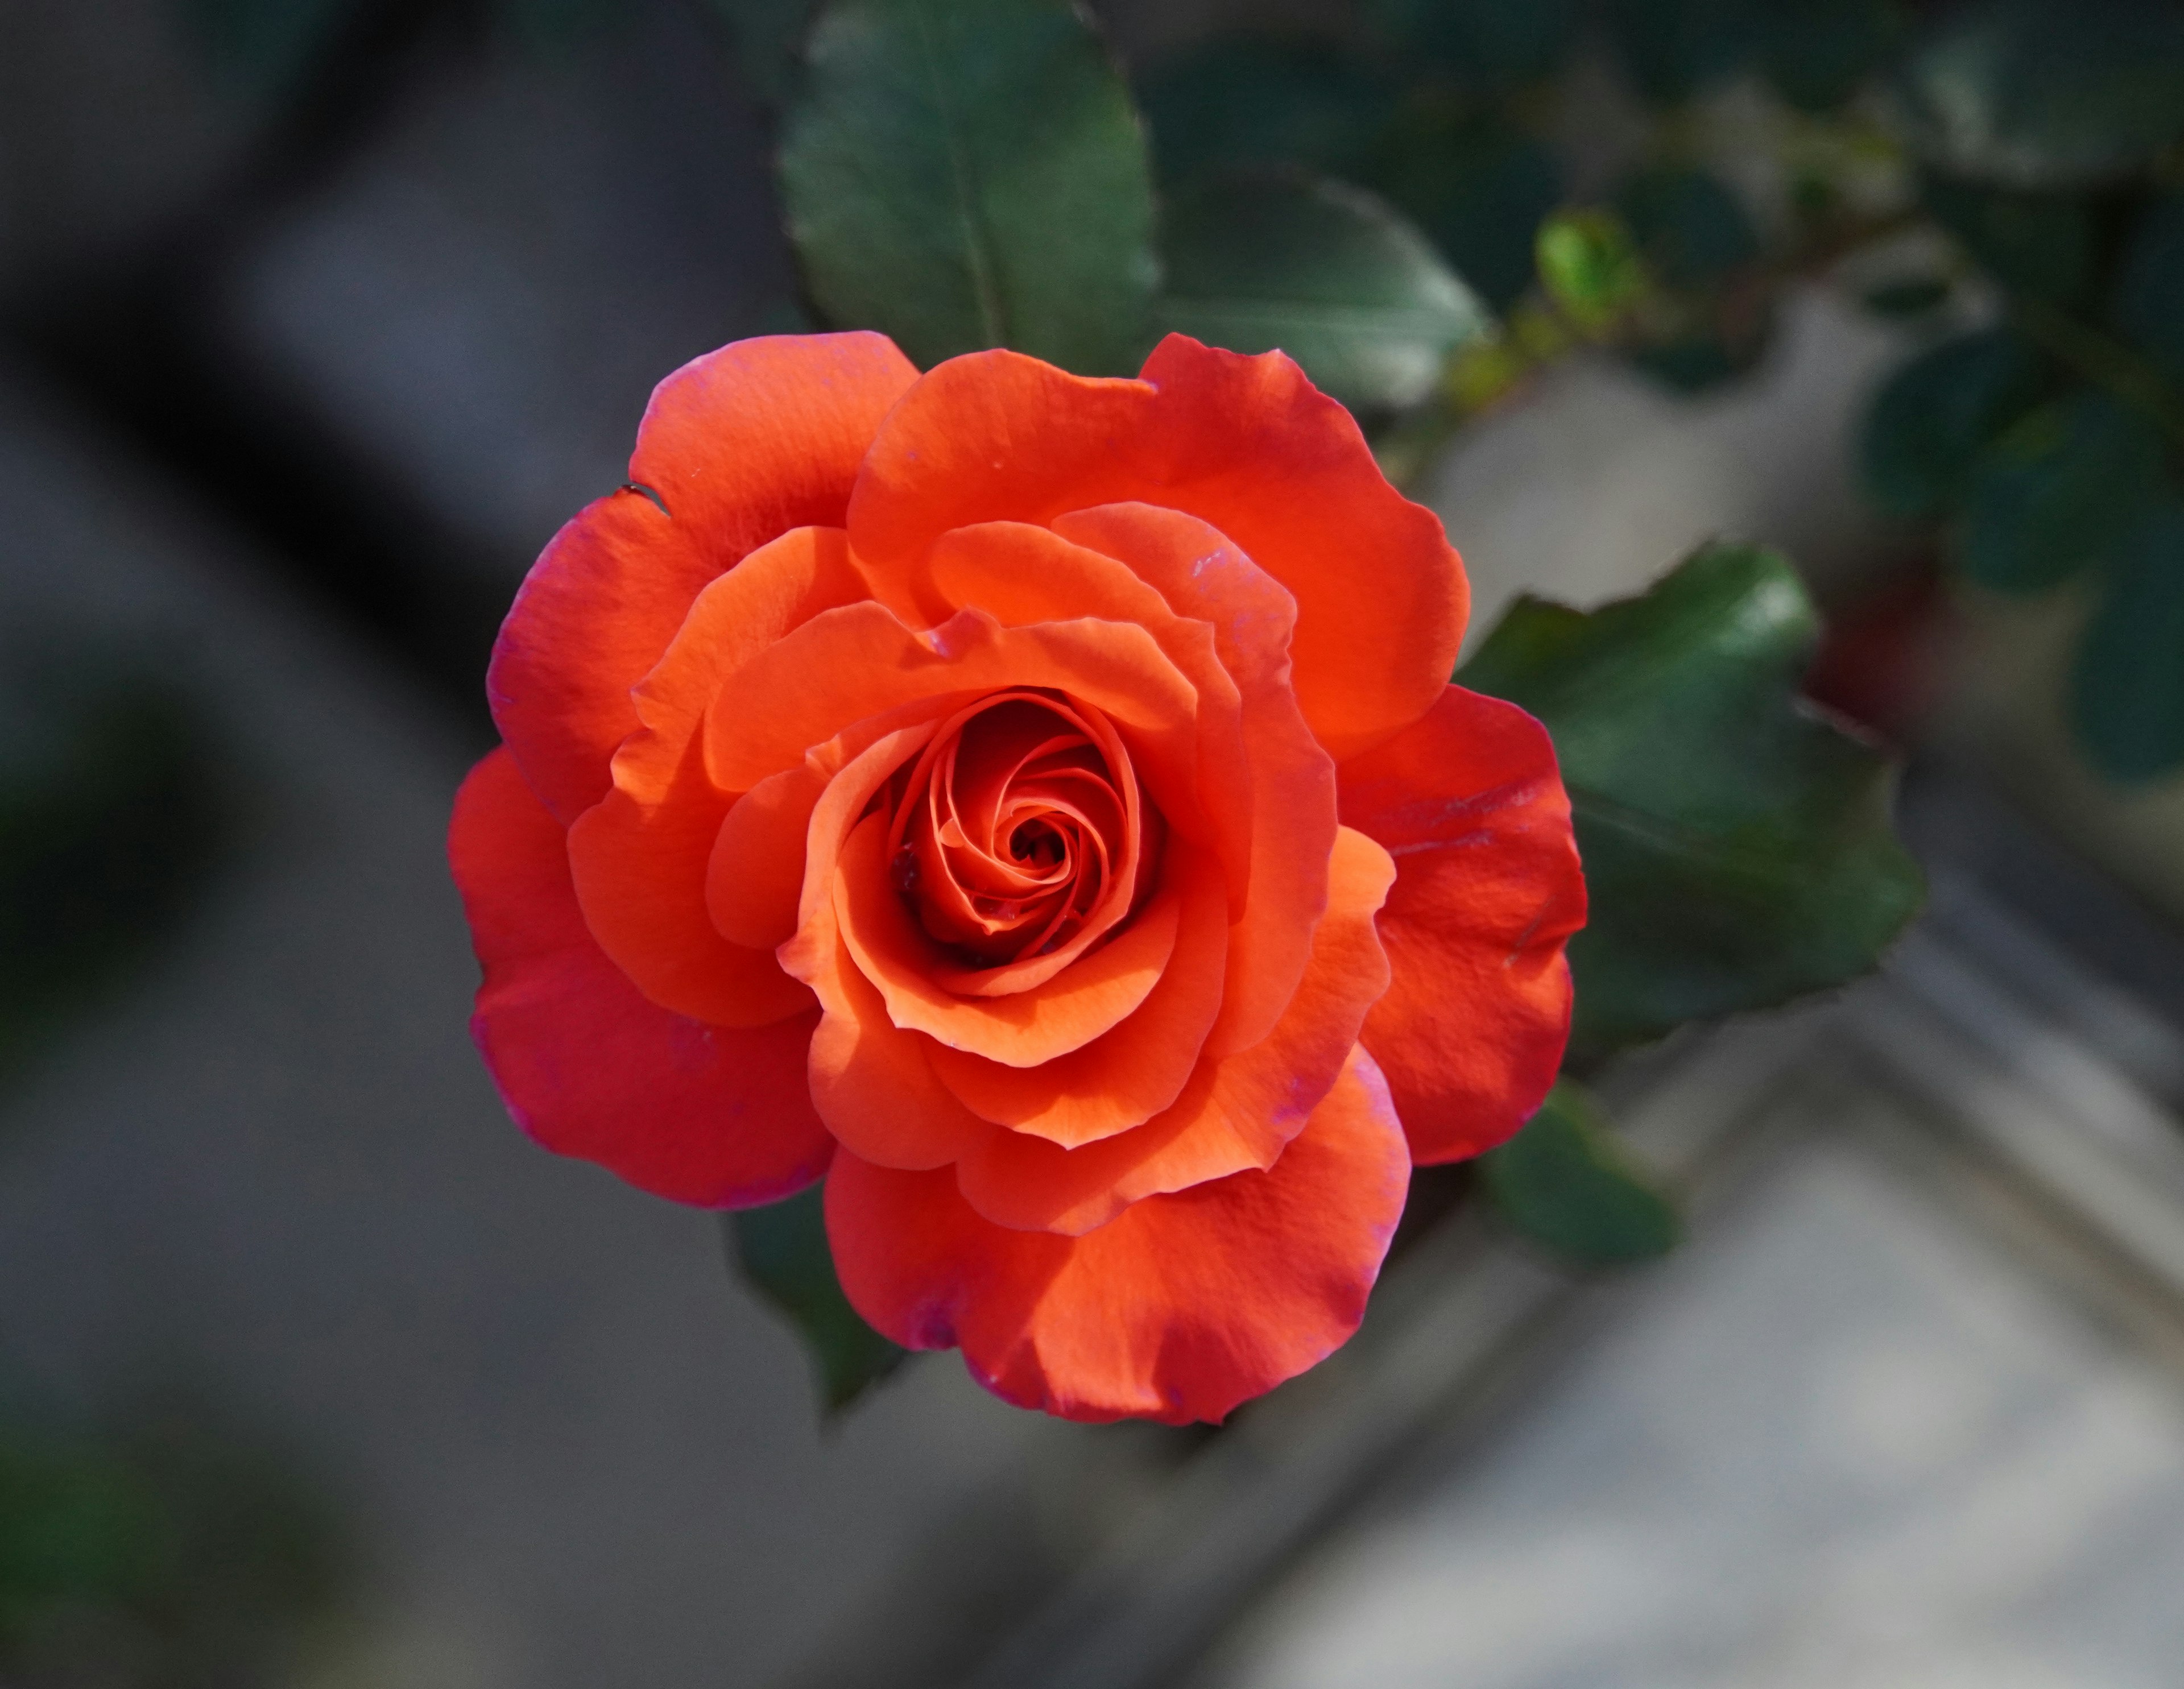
(1178, 1310)
(1488, 891)
(1246, 443)
(741, 445)
(586, 1064)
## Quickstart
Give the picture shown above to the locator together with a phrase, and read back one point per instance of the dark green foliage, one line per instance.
(166, 1556)
(782, 1249)
(1818, 52)
(1591, 267)
(2035, 243)
(1691, 228)
(1257, 100)
(1676, 48)
(1478, 45)
(111, 812)
(1326, 273)
(1479, 187)
(2046, 93)
(2148, 306)
(1914, 297)
(2058, 492)
(962, 174)
(1737, 845)
(1564, 1182)
(2127, 692)
(767, 35)
(260, 47)
(1932, 419)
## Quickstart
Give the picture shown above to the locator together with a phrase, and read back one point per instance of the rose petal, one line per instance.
(1488, 891)
(641, 854)
(744, 444)
(1200, 573)
(1126, 1075)
(585, 1063)
(1247, 444)
(1235, 1113)
(1178, 1310)
(1021, 1029)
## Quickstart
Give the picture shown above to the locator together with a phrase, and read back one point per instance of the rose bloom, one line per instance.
(1037, 805)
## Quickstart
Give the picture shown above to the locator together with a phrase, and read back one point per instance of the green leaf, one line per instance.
(2127, 691)
(1257, 100)
(767, 35)
(2148, 307)
(1932, 418)
(1915, 296)
(1691, 228)
(962, 174)
(2035, 243)
(783, 1252)
(1477, 187)
(2046, 93)
(1674, 49)
(2058, 492)
(1485, 47)
(1818, 52)
(1737, 843)
(1322, 271)
(1590, 266)
(1564, 1181)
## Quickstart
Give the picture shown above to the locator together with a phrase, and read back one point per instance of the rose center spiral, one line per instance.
(1022, 830)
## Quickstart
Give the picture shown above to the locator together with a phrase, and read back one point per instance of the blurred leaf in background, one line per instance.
(1737, 845)
(1590, 267)
(963, 174)
(2149, 305)
(1325, 272)
(1817, 53)
(2127, 689)
(1927, 427)
(167, 1554)
(1477, 186)
(259, 48)
(1565, 1182)
(1257, 100)
(113, 812)
(2034, 93)
(782, 1252)
(1481, 47)
(2058, 492)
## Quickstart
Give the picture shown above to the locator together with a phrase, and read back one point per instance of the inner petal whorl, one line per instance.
(1019, 832)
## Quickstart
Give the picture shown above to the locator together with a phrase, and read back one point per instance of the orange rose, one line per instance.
(1039, 804)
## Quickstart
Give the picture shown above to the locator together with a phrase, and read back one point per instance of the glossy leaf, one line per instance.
(783, 1253)
(1325, 272)
(1256, 100)
(1565, 1182)
(2046, 93)
(1930, 420)
(2148, 307)
(2036, 244)
(962, 174)
(1737, 845)
(1590, 266)
(2127, 692)
(2057, 492)
(1481, 46)
(1477, 187)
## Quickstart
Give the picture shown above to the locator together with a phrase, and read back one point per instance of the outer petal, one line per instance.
(744, 444)
(584, 1062)
(1249, 444)
(1235, 1113)
(641, 854)
(1178, 1310)
(1488, 891)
